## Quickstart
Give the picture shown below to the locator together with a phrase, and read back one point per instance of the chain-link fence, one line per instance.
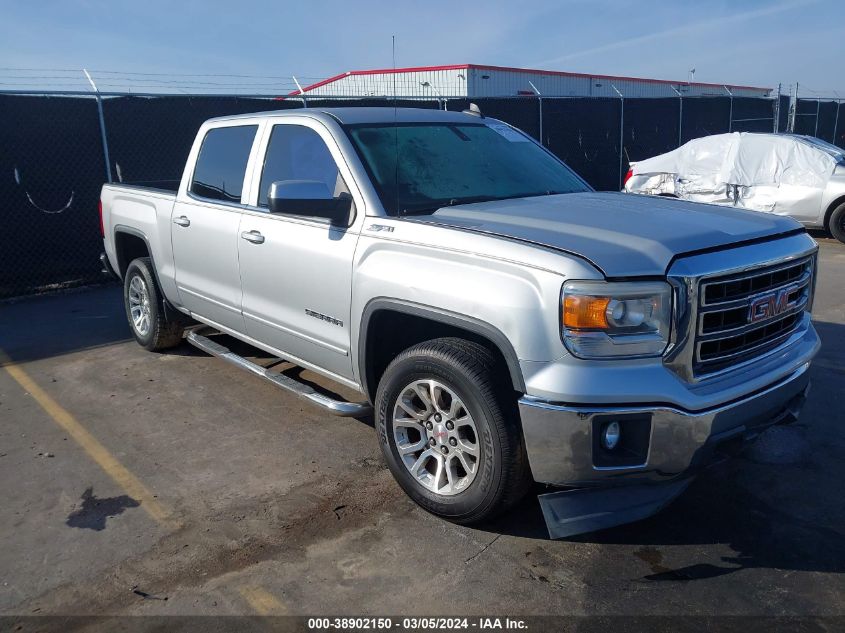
(51, 171)
(823, 118)
(58, 150)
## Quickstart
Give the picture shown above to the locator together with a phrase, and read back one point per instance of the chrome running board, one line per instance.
(337, 407)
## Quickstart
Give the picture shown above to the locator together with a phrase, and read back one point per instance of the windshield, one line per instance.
(442, 164)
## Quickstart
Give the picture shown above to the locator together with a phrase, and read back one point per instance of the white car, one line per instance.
(799, 176)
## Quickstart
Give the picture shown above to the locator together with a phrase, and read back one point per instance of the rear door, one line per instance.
(296, 270)
(205, 220)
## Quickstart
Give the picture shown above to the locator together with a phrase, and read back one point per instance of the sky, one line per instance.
(261, 44)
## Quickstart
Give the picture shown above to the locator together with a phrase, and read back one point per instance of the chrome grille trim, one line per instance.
(688, 274)
(743, 304)
(711, 284)
(743, 338)
(789, 323)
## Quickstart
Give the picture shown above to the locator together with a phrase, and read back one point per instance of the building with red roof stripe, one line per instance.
(473, 80)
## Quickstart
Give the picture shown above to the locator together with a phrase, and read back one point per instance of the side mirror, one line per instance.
(310, 198)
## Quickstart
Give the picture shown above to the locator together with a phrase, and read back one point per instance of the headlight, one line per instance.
(610, 319)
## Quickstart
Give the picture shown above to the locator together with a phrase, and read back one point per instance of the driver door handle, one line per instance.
(253, 236)
(182, 221)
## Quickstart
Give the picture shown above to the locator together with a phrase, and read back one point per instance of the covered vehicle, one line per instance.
(799, 176)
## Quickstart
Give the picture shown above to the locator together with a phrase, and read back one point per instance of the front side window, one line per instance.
(221, 164)
(419, 168)
(296, 152)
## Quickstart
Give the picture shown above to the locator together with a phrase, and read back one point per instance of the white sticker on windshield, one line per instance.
(508, 132)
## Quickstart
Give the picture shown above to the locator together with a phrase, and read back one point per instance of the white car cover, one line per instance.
(764, 172)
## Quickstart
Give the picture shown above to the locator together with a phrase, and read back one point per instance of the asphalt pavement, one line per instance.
(174, 484)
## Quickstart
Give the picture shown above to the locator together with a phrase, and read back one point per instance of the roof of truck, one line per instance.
(356, 115)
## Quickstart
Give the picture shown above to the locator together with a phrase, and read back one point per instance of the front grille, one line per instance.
(744, 315)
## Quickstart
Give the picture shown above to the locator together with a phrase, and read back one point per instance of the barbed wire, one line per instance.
(818, 94)
(157, 80)
(161, 74)
(30, 78)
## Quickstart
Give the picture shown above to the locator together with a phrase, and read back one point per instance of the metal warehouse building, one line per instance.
(471, 80)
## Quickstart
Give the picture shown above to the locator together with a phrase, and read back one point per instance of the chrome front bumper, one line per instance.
(563, 447)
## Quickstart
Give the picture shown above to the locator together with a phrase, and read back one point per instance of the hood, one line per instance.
(623, 235)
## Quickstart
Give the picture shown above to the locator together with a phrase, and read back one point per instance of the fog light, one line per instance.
(611, 435)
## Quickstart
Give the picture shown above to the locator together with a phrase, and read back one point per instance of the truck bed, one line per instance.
(142, 211)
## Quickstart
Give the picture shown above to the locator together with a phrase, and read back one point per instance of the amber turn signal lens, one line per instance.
(582, 312)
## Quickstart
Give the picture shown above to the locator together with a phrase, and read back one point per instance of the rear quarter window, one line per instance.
(221, 164)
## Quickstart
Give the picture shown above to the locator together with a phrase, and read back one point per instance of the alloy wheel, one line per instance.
(436, 437)
(139, 305)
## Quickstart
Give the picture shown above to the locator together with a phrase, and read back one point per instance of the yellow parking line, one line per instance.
(262, 602)
(130, 484)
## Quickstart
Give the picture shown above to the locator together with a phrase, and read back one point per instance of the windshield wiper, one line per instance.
(452, 202)
(420, 211)
(543, 193)
(432, 208)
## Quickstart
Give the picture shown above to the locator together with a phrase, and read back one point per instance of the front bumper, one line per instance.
(669, 443)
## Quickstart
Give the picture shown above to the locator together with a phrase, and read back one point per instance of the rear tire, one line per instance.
(836, 224)
(153, 328)
(448, 426)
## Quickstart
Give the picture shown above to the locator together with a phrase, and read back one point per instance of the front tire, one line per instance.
(837, 223)
(153, 329)
(448, 426)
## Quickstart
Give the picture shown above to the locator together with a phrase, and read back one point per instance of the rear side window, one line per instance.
(221, 164)
(296, 152)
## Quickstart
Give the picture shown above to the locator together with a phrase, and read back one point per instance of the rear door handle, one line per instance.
(182, 221)
(253, 236)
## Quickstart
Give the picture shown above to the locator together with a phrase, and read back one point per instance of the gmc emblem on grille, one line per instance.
(771, 304)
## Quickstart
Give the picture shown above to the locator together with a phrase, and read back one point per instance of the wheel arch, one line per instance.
(127, 247)
(829, 212)
(130, 244)
(430, 323)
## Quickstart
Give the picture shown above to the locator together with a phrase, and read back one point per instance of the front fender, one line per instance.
(514, 305)
(445, 317)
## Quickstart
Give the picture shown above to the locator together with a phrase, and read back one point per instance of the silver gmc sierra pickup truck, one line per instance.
(503, 322)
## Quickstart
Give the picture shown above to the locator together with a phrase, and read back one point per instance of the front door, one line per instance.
(296, 270)
(204, 227)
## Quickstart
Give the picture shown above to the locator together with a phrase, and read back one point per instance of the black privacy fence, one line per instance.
(53, 159)
(821, 118)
